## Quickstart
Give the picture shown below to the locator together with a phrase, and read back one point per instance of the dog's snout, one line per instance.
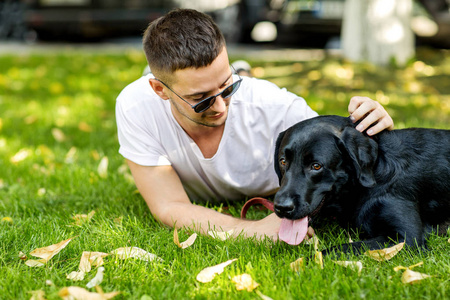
(285, 209)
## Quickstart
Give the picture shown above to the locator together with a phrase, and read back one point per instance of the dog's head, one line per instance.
(315, 158)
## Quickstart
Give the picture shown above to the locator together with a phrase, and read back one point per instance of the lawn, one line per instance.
(59, 159)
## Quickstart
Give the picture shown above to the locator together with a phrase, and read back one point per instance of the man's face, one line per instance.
(195, 85)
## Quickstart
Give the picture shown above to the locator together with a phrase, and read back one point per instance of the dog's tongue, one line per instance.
(293, 232)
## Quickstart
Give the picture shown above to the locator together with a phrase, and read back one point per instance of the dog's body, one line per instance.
(395, 187)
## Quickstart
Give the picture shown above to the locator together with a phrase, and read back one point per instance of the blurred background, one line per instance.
(299, 23)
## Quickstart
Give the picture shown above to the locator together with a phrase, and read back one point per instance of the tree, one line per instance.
(378, 31)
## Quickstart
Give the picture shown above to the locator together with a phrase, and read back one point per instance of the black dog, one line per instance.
(394, 186)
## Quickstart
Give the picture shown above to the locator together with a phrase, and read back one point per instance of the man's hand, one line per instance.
(372, 114)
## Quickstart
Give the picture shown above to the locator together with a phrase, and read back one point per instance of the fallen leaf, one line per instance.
(245, 282)
(186, 243)
(70, 156)
(208, 274)
(135, 252)
(49, 282)
(410, 276)
(37, 295)
(76, 276)
(78, 293)
(298, 264)
(7, 219)
(41, 192)
(83, 218)
(221, 235)
(98, 278)
(58, 135)
(448, 240)
(318, 259)
(35, 263)
(385, 254)
(20, 156)
(314, 240)
(91, 258)
(83, 126)
(46, 253)
(22, 255)
(262, 296)
(103, 167)
(353, 265)
(398, 268)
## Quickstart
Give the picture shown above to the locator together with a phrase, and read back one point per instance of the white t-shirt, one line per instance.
(242, 167)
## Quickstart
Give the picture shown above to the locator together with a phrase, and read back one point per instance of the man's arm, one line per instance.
(168, 202)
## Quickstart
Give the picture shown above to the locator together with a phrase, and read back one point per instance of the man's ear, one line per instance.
(363, 152)
(158, 87)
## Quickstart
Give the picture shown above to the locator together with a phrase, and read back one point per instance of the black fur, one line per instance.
(395, 186)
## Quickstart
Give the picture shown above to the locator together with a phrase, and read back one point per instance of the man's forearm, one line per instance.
(202, 220)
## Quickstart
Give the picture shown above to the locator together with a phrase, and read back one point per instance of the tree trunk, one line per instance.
(378, 31)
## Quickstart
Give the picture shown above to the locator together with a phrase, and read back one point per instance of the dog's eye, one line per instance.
(316, 166)
(282, 161)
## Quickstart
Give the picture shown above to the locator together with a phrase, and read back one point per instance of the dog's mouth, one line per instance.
(294, 232)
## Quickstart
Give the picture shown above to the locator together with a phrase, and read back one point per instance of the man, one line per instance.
(194, 131)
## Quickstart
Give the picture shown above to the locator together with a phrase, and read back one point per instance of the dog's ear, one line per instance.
(277, 151)
(363, 152)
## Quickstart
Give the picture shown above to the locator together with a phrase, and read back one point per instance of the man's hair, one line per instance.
(183, 38)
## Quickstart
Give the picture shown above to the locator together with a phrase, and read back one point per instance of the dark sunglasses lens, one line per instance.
(229, 91)
(204, 105)
(226, 93)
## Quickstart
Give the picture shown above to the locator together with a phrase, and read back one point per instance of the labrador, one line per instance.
(394, 186)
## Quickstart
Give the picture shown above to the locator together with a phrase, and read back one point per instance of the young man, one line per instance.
(194, 131)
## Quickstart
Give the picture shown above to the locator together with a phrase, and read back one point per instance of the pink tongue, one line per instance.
(293, 232)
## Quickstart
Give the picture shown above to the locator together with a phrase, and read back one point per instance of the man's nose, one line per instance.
(220, 104)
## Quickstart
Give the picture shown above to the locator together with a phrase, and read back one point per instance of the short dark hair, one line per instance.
(183, 38)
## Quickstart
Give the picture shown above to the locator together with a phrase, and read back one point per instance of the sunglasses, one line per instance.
(208, 102)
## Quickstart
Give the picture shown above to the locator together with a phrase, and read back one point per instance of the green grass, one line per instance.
(75, 92)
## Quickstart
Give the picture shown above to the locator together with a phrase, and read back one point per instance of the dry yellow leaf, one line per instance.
(135, 252)
(245, 282)
(298, 264)
(83, 126)
(7, 219)
(385, 254)
(37, 295)
(98, 278)
(46, 253)
(70, 156)
(91, 258)
(78, 293)
(103, 167)
(314, 240)
(262, 296)
(83, 218)
(35, 263)
(186, 243)
(20, 156)
(448, 240)
(76, 276)
(410, 276)
(353, 265)
(221, 235)
(58, 134)
(208, 274)
(22, 255)
(398, 268)
(318, 259)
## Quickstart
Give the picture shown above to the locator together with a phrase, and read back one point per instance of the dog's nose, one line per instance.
(284, 209)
